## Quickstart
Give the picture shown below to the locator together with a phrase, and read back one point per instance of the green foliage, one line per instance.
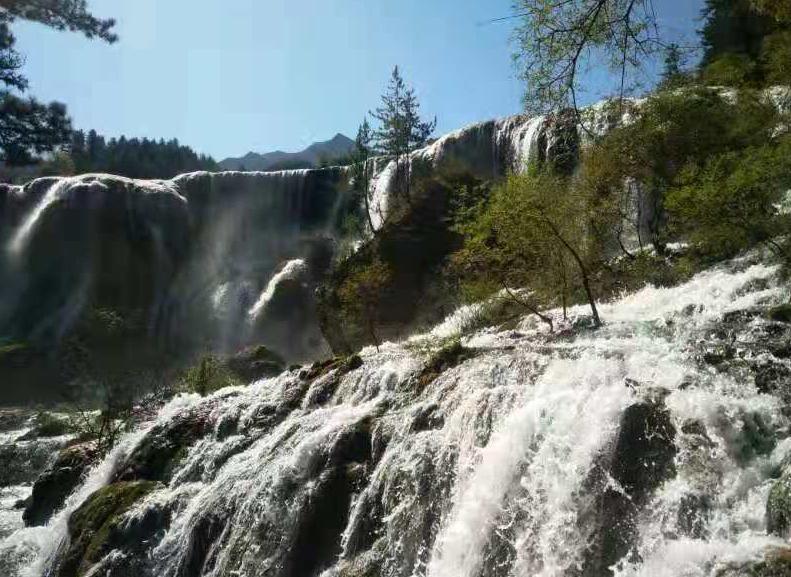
(72, 15)
(92, 525)
(730, 203)
(557, 40)
(776, 57)
(671, 132)
(134, 158)
(730, 70)
(361, 167)
(674, 75)
(450, 354)
(401, 130)
(361, 294)
(208, 375)
(46, 424)
(29, 128)
(780, 10)
(534, 232)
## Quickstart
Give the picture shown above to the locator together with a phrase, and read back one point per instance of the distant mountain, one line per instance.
(331, 150)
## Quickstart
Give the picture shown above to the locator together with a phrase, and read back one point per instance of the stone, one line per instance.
(58, 481)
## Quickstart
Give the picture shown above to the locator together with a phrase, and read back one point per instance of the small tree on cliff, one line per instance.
(535, 233)
(361, 295)
(401, 129)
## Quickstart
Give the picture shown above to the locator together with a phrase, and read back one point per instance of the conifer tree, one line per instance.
(401, 129)
(28, 127)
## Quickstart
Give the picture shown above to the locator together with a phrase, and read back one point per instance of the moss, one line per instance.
(776, 563)
(208, 375)
(12, 349)
(255, 362)
(91, 527)
(48, 425)
(342, 365)
(778, 507)
(781, 313)
(448, 356)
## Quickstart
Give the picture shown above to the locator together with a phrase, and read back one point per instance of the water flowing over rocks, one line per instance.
(625, 451)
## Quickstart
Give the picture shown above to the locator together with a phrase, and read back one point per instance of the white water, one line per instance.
(291, 270)
(483, 472)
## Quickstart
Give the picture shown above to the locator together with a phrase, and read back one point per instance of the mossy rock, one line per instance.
(55, 484)
(780, 313)
(342, 365)
(163, 448)
(449, 356)
(93, 525)
(776, 563)
(778, 507)
(255, 363)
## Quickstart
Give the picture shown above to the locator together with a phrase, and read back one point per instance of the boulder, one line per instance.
(778, 507)
(642, 458)
(156, 457)
(58, 481)
(95, 528)
(256, 362)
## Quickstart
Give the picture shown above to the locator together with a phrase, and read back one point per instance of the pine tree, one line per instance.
(401, 129)
(673, 74)
(29, 128)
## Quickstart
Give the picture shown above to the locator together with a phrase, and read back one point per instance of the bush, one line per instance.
(730, 204)
(730, 70)
(776, 58)
(210, 374)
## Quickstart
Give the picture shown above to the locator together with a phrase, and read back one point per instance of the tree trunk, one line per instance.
(583, 271)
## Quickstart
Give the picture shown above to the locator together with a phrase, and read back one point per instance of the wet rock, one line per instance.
(58, 481)
(778, 507)
(446, 358)
(781, 313)
(325, 377)
(256, 363)
(163, 448)
(693, 515)
(94, 528)
(641, 459)
(776, 563)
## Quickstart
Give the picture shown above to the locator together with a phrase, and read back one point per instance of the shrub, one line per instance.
(776, 57)
(731, 203)
(729, 70)
(208, 375)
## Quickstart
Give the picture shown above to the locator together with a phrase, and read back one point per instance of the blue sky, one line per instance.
(229, 76)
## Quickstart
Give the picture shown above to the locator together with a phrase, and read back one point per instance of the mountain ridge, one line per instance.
(338, 146)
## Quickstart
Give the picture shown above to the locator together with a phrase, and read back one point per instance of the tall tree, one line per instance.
(558, 40)
(29, 128)
(733, 27)
(673, 74)
(401, 129)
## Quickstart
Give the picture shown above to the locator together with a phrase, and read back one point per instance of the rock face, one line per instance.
(186, 259)
(641, 460)
(95, 528)
(57, 482)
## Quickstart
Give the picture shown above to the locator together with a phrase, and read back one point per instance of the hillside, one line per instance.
(311, 157)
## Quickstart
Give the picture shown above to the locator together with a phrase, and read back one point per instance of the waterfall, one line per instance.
(525, 459)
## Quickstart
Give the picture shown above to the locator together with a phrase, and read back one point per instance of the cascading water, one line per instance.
(628, 450)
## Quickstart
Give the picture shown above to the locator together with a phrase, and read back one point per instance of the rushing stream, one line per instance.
(631, 449)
